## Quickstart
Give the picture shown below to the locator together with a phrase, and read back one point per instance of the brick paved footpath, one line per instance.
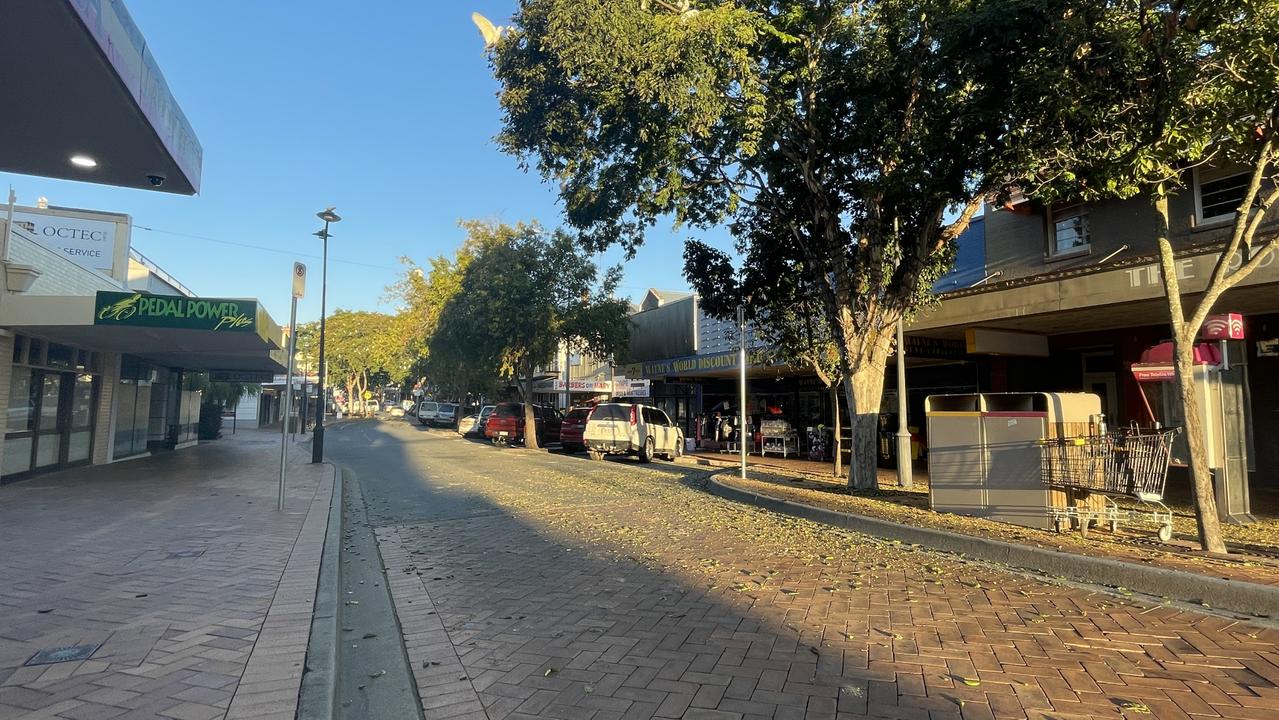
(611, 592)
(180, 566)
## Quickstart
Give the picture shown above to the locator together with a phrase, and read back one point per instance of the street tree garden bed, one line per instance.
(1259, 563)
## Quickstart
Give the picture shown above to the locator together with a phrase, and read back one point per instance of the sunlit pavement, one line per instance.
(536, 585)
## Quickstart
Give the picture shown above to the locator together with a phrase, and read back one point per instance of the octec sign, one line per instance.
(89, 243)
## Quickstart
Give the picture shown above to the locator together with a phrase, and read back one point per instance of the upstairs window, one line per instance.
(1071, 233)
(1218, 192)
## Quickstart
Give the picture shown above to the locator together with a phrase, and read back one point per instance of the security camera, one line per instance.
(156, 179)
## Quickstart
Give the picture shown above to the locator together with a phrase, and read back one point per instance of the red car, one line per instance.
(571, 429)
(506, 424)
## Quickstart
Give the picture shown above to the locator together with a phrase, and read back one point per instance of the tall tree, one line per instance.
(423, 293)
(360, 343)
(1163, 88)
(848, 140)
(524, 293)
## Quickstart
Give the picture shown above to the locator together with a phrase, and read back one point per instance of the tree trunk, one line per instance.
(838, 445)
(530, 421)
(1183, 389)
(864, 389)
(1201, 481)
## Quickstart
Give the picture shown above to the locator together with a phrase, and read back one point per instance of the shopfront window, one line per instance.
(60, 356)
(21, 415)
(81, 414)
(51, 408)
(50, 392)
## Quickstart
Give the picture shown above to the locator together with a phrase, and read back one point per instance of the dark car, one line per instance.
(571, 429)
(506, 424)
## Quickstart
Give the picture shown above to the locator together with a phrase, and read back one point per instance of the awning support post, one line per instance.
(905, 473)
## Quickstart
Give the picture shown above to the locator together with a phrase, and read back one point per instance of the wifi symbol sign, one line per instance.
(1226, 326)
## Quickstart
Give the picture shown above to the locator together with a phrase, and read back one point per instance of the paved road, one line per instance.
(535, 585)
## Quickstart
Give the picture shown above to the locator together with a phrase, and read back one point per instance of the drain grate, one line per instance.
(68, 653)
(185, 554)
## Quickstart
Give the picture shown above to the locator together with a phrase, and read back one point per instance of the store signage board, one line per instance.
(244, 376)
(1152, 373)
(166, 311)
(584, 386)
(87, 243)
(1225, 326)
(634, 388)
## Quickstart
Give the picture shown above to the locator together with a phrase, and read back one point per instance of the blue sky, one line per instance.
(386, 110)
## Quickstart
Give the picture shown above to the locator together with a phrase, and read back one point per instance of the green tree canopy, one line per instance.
(523, 293)
(850, 141)
(1163, 88)
(360, 344)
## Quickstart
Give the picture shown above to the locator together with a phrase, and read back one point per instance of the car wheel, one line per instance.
(679, 448)
(646, 452)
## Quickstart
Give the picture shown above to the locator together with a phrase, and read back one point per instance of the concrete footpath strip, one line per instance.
(1232, 595)
(270, 686)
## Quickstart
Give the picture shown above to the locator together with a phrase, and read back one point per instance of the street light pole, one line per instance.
(317, 437)
(743, 431)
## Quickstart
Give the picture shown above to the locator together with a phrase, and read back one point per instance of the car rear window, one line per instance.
(508, 410)
(612, 412)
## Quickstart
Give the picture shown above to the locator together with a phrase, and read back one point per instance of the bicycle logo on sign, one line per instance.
(122, 310)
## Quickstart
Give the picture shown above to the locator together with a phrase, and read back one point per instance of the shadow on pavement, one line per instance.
(572, 588)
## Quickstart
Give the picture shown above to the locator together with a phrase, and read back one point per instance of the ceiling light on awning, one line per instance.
(83, 161)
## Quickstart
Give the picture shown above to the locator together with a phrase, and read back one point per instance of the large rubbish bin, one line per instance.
(984, 451)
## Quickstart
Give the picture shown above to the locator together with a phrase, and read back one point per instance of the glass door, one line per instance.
(19, 435)
(79, 441)
(49, 435)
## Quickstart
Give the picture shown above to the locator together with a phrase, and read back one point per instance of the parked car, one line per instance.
(426, 412)
(572, 428)
(466, 425)
(482, 420)
(445, 415)
(397, 411)
(632, 429)
(506, 424)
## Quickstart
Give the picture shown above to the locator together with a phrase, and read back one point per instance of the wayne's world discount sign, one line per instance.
(165, 311)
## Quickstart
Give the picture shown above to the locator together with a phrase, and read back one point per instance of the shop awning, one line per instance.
(81, 81)
(211, 334)
(1092, 298)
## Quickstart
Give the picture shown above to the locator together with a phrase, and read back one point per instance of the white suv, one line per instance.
(632, 429)
(426, 412)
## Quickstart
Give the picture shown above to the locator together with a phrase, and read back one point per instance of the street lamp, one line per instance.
(317, 437)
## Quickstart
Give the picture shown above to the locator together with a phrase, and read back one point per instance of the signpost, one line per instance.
(299, 289)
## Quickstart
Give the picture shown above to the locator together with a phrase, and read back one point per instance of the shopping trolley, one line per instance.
(1129, 462)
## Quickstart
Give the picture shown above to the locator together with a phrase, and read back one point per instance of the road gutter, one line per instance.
(317, 698)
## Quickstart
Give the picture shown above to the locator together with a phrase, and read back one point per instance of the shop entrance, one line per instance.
(59, 428)
(53, 390)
